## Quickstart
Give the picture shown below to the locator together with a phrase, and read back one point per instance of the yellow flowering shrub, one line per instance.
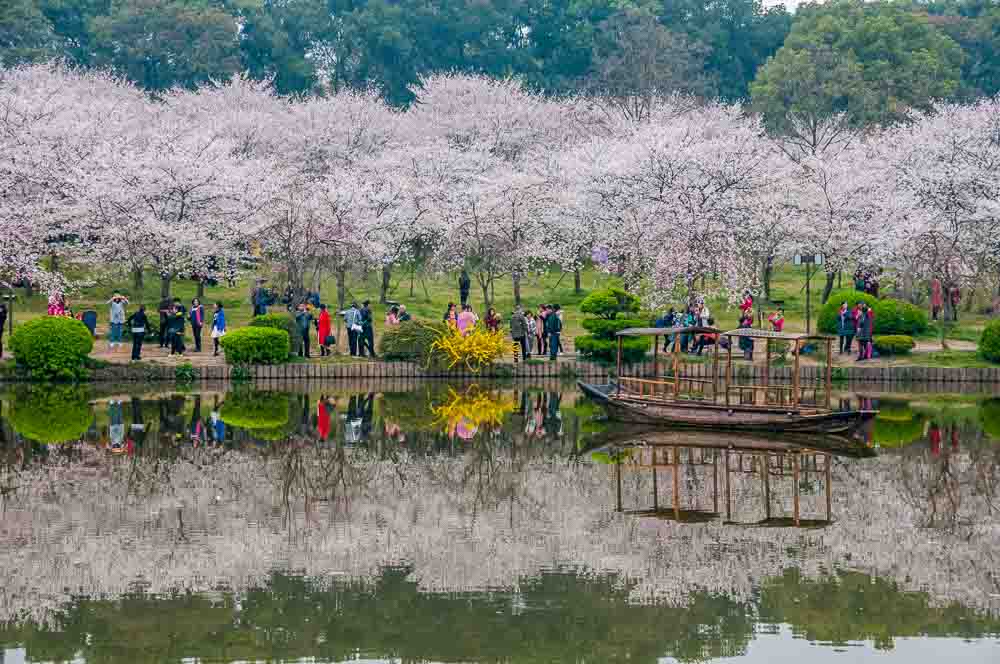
(469, 410)
(477, 349)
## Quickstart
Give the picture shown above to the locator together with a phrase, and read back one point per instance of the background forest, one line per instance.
(716, 48)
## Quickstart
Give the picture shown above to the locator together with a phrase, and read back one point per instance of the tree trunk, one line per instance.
(970, 300)
(137, 282)
(516, 277)
(484, 283)
(165, 287)
(577, 286)
(413, 274)
(768, 272)
(29, 288)
(341, 289)
(828, 287)
(840, 279)
(386, 283)
(54, 262)
(201, 290)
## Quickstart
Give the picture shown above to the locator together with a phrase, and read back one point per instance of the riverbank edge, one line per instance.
(566, 369)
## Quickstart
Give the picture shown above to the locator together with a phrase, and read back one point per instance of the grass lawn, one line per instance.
(428, 298)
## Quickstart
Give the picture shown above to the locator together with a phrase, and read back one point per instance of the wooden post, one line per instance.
(767, 487)
(767, 366)
(715, 481)
(677, 370)
(656, 356)
(795, 479)
(829, 370)
(618, 493)
(655, 488)
(795, 377)
(728, 502)
(619, 371)
(829, 496)
(715, 371)
(677, 482)
(729, 368)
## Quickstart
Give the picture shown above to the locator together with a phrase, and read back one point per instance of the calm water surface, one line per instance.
(480, 523)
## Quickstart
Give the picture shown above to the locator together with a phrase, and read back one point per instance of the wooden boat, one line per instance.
(719, 402)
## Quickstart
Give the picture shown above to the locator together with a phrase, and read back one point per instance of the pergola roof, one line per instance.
(664, 331)
(768, 334)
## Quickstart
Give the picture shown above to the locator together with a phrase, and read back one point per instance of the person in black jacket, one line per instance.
(138, 324)
(3, 323)
(553, 328)
(367, 338)
(464, 284)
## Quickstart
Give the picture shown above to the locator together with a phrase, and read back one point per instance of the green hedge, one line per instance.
(284, 322)
(989, 417)
(256, 411)
(896, 425)
(605, 328)
(256, 345)
(892, 317)
(989, 342)
(609, 302)
(51, 413)
(634, 349)
(53, 347)
(411, 340)
(894, 344)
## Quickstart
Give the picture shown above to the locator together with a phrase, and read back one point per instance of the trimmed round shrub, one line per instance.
(256, 345)
(53, 347)
(609, 302)
(284, 322)
(256, 411)
(51, 413)
(892, 317)
(989, 417)
(896, 425)
(411, 340)
(894, 344)
(634, 349)
(989, 342)
(605, 328)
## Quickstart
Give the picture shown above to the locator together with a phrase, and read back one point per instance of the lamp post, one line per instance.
(809, 260)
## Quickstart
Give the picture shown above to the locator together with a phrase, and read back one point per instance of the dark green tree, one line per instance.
(870, 61)
(160, 44)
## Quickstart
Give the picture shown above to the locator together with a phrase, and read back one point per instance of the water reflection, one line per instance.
(479, 523)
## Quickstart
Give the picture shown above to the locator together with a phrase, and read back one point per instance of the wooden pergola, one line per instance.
(796, 340)
(784, 395)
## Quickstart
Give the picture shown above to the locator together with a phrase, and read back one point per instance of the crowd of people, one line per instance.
(539, 333)
(857, 322)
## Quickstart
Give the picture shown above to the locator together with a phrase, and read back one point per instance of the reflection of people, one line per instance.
(137, 430)
(218, 427)
(323, 409)
(117, 428)
(553, 418)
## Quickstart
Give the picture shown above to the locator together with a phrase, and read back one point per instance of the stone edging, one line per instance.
(567, 369)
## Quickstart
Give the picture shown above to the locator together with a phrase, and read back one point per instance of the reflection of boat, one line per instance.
(763, 462)
(838, 445)
(720, 402)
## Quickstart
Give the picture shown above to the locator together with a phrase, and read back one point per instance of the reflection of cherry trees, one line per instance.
(466, 514)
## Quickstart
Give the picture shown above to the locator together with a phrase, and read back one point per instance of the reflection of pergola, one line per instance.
(770, 465)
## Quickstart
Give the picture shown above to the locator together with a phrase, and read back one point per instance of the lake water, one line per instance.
(484, 523)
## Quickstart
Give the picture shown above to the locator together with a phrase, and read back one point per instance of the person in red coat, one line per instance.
(323, 330)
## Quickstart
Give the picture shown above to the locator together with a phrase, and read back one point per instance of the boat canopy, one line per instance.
(754, 333)
(665, 331)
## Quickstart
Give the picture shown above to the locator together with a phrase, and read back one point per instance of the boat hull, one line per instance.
(662, 412)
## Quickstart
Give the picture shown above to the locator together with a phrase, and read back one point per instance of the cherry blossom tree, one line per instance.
(948, 173)
(51, 119)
